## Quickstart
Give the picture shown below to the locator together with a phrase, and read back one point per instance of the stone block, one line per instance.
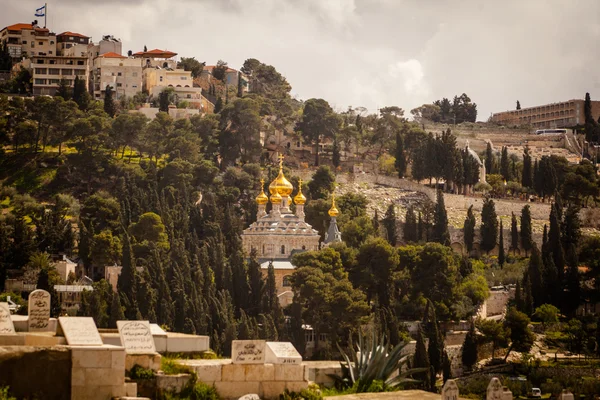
(118, 359)
(233, 373)
(234, 390)
(78, 377)
(160, 342)
(148, 361)
(292, 373)
(272, 390)
(209, 372)
(91, 358)
(259, 372)
(182, 343)
(105, 376)
(130, 389)
(95, 392)
(282, 353)
(296, 386)
(172, 382)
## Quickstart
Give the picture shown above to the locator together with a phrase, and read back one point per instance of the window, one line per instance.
(32, 44)
(52, 42)
(67, 72)
(119, 74)
(134, 74)
(68, 46)
(54, 71)
(40, 61)
(263, 249)
(80, 62)
(52, 62)
(40, 71)
(79, 72)
(40, 81)
(71, 38)
(286, 281)
(50, 52)
(183, 78)
(41, 43)
(54, 81)
(24, 41)
(161, 79)
(81, 40)
(134, 86)
(303, 247)
(119, 84)
(282, 249)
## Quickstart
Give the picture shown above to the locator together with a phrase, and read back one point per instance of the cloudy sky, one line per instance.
(369, 53)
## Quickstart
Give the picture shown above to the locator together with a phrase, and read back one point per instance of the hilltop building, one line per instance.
(122, 74)
(565, 114)
(72, 43)
(47, 72)
(27, 40)
(232, 77)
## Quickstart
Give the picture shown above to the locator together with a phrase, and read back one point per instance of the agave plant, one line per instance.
(374, 359)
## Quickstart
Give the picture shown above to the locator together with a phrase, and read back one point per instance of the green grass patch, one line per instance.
(170, 366)
(138, 372)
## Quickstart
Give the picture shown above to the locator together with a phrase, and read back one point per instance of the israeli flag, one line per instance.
(40, 12)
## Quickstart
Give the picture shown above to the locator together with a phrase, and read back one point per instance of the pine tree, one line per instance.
(109, 103)
(527, 178)
(469, 349)
(514, 233)
(469, 230)
(389, 223)
(505, 164)
(501, 255)
(400, 162)
(489, 225)
(489, 158)
(410, 226)
(440, 221)
(421, 359)
(526, 238)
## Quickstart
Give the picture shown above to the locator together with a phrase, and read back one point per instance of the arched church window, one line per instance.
(282, 249)
(286, 281)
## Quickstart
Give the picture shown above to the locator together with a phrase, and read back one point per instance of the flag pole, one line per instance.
(45, 13)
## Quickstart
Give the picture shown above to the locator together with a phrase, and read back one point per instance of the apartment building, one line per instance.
(565, 114)
(231, 77)
(108, 44)
(47, 72)
(122, 74)
(67, 40)
(27, 40)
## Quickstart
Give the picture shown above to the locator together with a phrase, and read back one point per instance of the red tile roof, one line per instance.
(68, 33)
(155, 53)
(111, 54)
(18, 27)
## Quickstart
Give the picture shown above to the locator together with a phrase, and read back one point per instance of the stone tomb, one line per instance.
(494, 390)
(6, 324)
(566, 395)
(80, 331)
(136, 337)
(282, 353)
(450, 390)
(248, 351)
(39, 311)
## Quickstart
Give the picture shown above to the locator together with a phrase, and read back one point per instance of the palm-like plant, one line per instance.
(374, 359)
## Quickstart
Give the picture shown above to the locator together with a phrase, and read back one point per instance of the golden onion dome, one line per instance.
(262, 198)
(276, 198)
(333, 211)
(281, 185)
(299, 198)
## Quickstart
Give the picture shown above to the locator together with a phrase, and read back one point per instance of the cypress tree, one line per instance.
(64, 90)
(410, 226)
(440, 221)
(421, 359)
(571, 227)
(375, 222)
(469, 229)
(526, 239)
(400, 162)
(489, 225)
(504, 164)
(527, 295)
(257, 285)
(469, 349)
(535, 274)
(218, 105)
(527, 178)
(514, 233)
(518, 297)
(126, 284)
(551, 283)
(489, 158)
(44, 283)
(336, 157)
(109, 102)
(270, 300)
(116, 311)
(80, 94)
(555, 243)
(501, 255)
(389, 223)
(436, 344)
(420, 228)
(240, 86)
(538, 179)
(571, 301)
(518, 105)
(446, 367)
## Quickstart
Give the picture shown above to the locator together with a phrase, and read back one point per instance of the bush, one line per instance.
(312, 393)
(4, 394)
(138, 372)
(170, 367)
(196, 391)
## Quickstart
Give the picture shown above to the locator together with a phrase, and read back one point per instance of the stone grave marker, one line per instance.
(248, 351)
(136, 337)
(450, 390)
(506, 394)
(39, 311)
(282, 353)
(566, 395)
(80, 331)
(157, 330)
(6, 324)
(494, 390)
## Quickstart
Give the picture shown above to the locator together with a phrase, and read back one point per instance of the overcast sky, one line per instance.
(369, 53)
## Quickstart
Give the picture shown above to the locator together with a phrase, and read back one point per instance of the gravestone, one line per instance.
(39, 311)
(136, 337)
(157, 330)
(494, 390)
(248, 351)
(450, 390)
(506, 394)
(80, 331)
(282, 353)
(6, 324)
(566, 395)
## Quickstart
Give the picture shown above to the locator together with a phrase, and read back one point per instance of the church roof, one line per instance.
(284, 224)
(277, 265)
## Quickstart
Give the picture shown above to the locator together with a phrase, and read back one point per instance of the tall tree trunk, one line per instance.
(317, 153)
(123, 152)
(37, 138)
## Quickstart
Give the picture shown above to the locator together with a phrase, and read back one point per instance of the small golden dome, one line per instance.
(299, 198)
(262, 198)
(333, 211)
(276, 198)
(281, 185)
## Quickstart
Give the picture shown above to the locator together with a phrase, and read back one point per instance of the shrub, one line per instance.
(195, 391)
(4, 394)
(312, 393)
(138, 372)
(170, 367)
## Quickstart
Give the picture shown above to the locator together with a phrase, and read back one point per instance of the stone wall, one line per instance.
(36, 372)
(98, 372)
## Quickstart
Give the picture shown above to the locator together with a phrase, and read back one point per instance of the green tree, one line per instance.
(489, 225)
(240, 126)
(322, 183)
(257, 285)
(218, 105)
(547, 314)
(514, 233)
(505, 164)
(527, 174)
(335, 157)
(440, 221)
(421, 359)
(109, 103)
(219, 72)
(192, 65)
(554, 240)
(127, 282)
(410, 226)
(527, 295)
(493, 332)
(469, 229)
(81, 95)
(318, 122)
(389, 223)
(64, 90)
(526, 238)
(378, 261)
(517, 325)
(489, 159)
(469, 349)
(116, 311)
(535, 273)
(400, 162)
(501, 255)
(518, 105)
